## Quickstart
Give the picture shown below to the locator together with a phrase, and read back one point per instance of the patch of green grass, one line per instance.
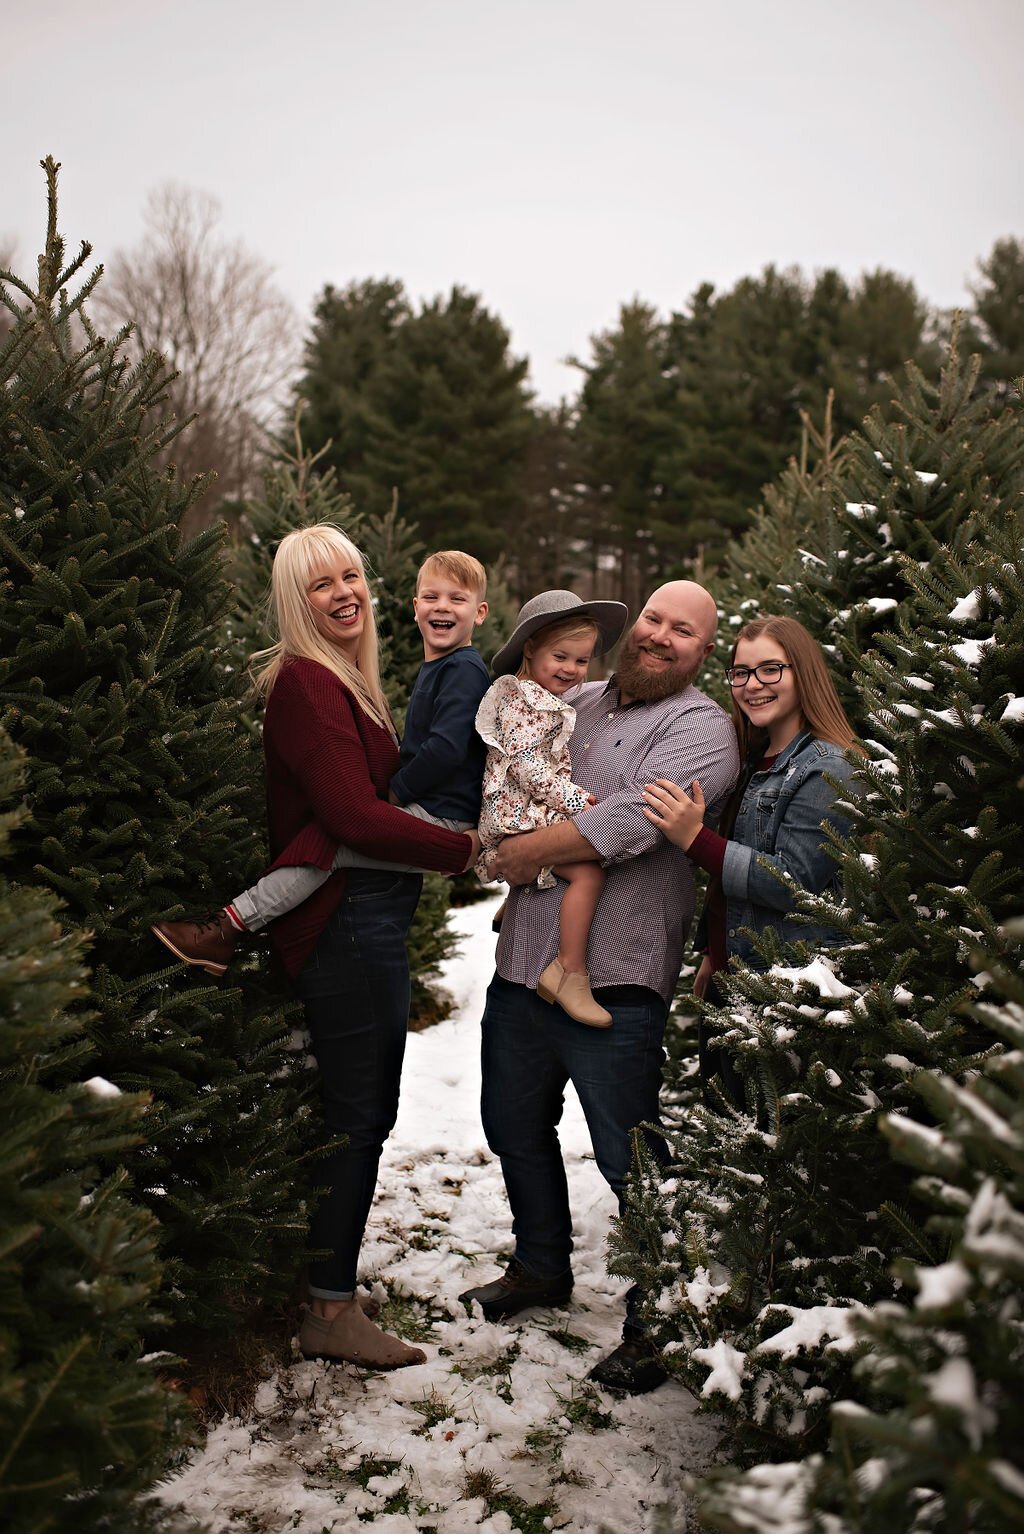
(401, 1317)
(423, 1238)
(480, 1483)
(543, 1440)
(399, 1503)
(570, 1340)
(527, 1517)
(368, 1467)
(583, 1409)
(502, 1365)
(434, 1408)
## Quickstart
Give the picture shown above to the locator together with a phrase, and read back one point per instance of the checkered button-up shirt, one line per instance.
(647, 903)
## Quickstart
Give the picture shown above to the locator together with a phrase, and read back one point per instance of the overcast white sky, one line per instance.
(556, 156)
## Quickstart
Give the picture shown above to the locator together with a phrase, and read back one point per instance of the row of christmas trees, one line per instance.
(157, 1130)
(837, 1269)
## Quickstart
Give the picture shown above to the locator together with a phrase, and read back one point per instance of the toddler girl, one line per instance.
(525, 722)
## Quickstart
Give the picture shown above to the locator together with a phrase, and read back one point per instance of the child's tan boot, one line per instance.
(570, 990)
(550, 980)
(576, 998)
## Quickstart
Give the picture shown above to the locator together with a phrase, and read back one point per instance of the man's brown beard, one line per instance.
(650, 686)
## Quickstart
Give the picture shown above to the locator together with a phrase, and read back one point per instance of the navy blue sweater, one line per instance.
(442, 756)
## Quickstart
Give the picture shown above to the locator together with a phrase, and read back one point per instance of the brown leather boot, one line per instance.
(207, 941)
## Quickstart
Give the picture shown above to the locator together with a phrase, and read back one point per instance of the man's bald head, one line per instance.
(691, 599)
(668, 642)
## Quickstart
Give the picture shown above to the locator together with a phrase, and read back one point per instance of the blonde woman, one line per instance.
(331, 751)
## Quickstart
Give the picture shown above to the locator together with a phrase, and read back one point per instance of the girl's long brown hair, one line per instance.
(822, 712)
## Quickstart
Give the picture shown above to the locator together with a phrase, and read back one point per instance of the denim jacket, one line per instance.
(779, 825)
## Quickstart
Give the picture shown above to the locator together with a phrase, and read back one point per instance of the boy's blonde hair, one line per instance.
(459, 567)
(559, 632)
(301, 554)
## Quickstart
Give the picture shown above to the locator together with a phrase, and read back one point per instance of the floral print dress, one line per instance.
(527, 777)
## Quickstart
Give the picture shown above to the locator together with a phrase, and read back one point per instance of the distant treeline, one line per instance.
(680, 420)
(652, 469)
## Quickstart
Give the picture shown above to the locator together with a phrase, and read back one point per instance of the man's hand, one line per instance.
(703, 976)
(515, 862)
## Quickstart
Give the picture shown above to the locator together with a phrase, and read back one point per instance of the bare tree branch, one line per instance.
(211, 307)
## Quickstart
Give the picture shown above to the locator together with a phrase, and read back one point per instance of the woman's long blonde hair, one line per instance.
(301, 554)
(822, 712)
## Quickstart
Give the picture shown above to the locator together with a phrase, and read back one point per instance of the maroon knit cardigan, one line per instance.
(328, 770)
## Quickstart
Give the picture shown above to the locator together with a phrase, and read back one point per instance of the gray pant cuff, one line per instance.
(247, 913)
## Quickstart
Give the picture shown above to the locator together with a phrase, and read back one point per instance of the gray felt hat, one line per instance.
(547, 608)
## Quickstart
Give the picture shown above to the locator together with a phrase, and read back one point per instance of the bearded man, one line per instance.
(648, 721)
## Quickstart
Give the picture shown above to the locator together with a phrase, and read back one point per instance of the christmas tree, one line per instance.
(83, 1426)
(143, 786)
(430, 403)
(779, 1224)
(934, 1438)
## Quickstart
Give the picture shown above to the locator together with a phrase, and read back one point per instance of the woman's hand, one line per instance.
(475, 853)
(673, 811)
(703, 975)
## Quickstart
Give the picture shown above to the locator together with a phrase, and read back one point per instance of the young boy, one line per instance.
(441, 761)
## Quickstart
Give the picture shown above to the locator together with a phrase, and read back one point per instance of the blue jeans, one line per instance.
(355, 990)
(531, 1049)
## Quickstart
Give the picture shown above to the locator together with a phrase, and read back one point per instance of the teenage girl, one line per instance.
(795, 740)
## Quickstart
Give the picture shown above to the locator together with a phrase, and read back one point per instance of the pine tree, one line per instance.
(999, 306)
(83, 1426)
(347, 385)
(779, 1222)
(934, 1437)
(622, 436)
(428, 403)
(746, 364)
(829, 549)
(552, 549)
(143, 785)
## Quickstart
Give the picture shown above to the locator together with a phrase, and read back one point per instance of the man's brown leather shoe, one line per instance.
(207, 941)
(517, 1290)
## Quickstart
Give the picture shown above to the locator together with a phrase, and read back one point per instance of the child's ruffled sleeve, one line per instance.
(527, 730)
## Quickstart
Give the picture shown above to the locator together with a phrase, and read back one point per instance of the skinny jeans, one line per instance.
(355, 991)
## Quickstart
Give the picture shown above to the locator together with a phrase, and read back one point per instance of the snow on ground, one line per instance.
(499, 1429)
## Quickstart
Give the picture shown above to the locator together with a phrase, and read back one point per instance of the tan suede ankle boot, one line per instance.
(351, 1337)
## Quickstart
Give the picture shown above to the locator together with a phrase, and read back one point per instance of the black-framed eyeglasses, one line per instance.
(766, 673)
